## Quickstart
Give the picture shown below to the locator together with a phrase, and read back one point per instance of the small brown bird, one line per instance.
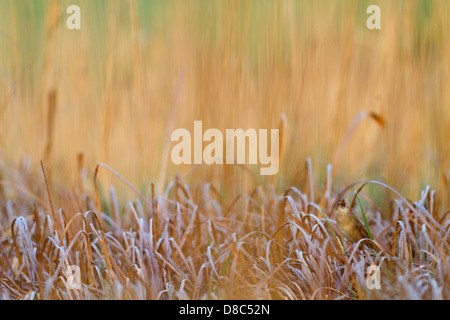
(349, 225)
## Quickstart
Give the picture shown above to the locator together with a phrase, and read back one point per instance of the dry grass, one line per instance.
(134, 71)
(188, 244)
(98, 106)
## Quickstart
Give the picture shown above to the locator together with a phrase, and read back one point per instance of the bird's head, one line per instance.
(341, 204)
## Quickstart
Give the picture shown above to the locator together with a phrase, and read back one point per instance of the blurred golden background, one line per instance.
(375, 104)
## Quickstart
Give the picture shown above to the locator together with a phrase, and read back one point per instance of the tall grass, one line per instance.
(97, 106)
(243, 64)
(190, 245)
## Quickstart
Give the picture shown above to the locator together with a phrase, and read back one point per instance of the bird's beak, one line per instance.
(341, 204)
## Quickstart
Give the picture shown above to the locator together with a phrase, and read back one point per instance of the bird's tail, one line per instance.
(372, 244)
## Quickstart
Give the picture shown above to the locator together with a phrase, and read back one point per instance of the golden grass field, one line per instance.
(357, 109)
